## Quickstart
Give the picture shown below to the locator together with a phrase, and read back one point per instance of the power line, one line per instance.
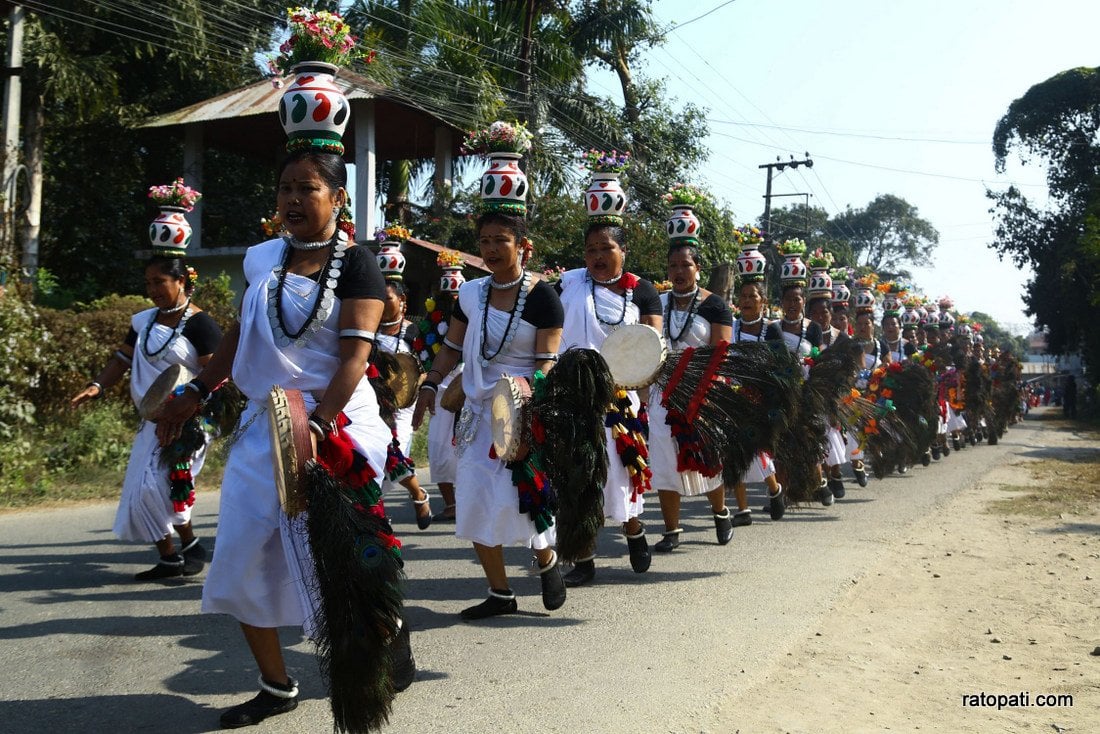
(715, 9)
(846, 134)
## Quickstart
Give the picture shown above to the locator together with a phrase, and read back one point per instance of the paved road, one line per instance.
(85, 649)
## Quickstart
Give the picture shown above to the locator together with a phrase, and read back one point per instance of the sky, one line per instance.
(842, 75)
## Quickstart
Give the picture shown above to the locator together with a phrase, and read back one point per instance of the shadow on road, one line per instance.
(151, 712)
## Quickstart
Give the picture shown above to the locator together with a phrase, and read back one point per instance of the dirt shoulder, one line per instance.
(979, 599)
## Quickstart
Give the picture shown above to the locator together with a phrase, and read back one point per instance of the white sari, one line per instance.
(763, 465)
(145, 511)
(583, 329)
(262, 571)
(486, 501)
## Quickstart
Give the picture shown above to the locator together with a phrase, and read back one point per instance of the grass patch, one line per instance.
(1061, 486)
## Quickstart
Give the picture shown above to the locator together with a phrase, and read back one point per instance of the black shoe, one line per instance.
(272, 699)
(499, 602)
(553, 585)
(169, 567)
(401, 656)
(777, 504)
(836, 486)
(639, 551)
(424, 521)
(723, 527)
(583, 572)
(445, 515)
(926, 458)
(824, 495)
(194, 557)
(992, 439)
(956, 444)
(902, 468)
(946, 449)
(935, 453)
(860, 474)
(742, 518)
(669, 543)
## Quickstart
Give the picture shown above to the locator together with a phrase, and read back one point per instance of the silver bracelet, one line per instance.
(452, 345)
(122, 357)
(97, 386)
(317, 429)
(551, 356)
(367, 336)
(429, 386)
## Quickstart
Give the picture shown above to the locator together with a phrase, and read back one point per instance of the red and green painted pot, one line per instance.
(313, 111)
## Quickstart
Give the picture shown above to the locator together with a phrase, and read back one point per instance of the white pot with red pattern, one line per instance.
(314, 111)
(170, 230)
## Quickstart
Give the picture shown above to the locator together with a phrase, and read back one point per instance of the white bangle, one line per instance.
(551, 356)
(367, 336)
(452, 345)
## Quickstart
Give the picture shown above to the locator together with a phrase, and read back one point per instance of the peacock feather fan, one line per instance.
(569, 409)
(358, 585)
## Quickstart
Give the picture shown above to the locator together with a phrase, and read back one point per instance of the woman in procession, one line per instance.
(597, 299)
(751, 326)
(396, 336)
(693, 317)
(157, 496)
(507, 323)
(308, 322)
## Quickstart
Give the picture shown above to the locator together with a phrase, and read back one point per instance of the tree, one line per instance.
(993, 333)
(86, 88)
(1055, 123)
(885, 235)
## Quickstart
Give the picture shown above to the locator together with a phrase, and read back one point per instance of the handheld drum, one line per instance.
(405, 378)
(454, 397)
(172, 377)
(634, 354)
(291, 446)
(510, 417)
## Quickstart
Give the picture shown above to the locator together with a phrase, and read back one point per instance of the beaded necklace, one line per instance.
(628, 294)
(513, 320)
(323, 303)
(157, 355)
(692, 309)
(742, 322)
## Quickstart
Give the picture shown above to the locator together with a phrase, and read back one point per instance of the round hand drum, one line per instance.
(510, 418)
(634, 354)
(405, 379)
(291, 446)
(172, 377)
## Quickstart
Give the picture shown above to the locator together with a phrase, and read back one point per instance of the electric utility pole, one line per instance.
(779, 165)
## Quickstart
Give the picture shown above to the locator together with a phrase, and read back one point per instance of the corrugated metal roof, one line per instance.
(262, 98)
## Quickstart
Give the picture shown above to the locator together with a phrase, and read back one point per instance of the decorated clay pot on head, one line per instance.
(390, 260)
(504, 185)
(794, 270)
(821, 283)
(683, 225)
(946, 320)
(604, 199)
(751, 264)
(910, 318)
(865, 299)
(314, 111)
(891, 303)
(452, 279)
(170, 230)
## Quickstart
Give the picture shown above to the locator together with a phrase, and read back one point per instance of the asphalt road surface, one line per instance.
(84, 648)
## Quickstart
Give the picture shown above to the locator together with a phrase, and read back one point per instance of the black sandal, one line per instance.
(194, 557)
(670, 541)
(583, 572)
(273, 699)
(499, 602)
(169, 567)
(640, 557)
(553, 586)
